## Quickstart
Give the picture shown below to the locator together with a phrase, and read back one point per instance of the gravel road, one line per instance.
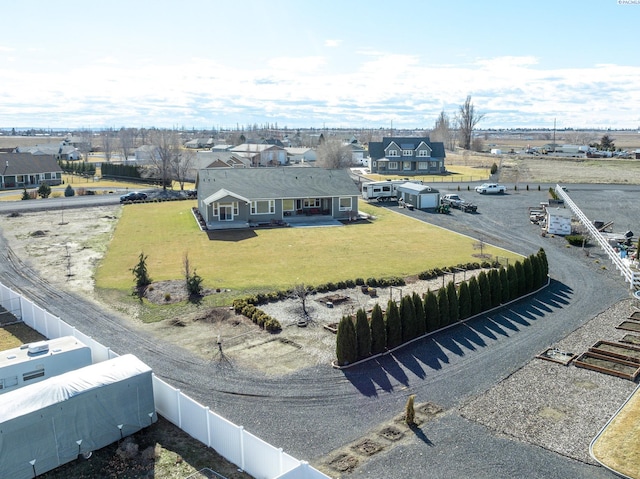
(317, 411)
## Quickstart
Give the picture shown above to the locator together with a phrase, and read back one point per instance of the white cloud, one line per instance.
(303, 91)
(332, 43)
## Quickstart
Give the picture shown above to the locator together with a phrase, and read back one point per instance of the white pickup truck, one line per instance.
(452, 200)
(491, 188)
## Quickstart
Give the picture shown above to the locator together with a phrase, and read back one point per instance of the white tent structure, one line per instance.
(50, 423)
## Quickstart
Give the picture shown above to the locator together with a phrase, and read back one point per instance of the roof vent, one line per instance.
(39, 347)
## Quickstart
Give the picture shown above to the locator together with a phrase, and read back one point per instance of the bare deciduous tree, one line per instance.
(467, 120)
(126, 142)
(300, 291)
(168, 149)
(333, 154)
(181, 166)
(443, 132)
(108, 144)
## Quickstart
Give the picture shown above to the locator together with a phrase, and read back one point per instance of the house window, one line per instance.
(406, 165)
(345, 204)
(287, 205)
(227, 209)
(392, 153)
(47, 176)
(423, 153)
(312, 203)
(423, 165)
(393, 165)
(263, 207)
(373, 164)
(407, 152)
(434, 164)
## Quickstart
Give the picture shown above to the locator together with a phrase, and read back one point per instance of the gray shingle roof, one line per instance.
(278, 182)
(27, 164)
(376, 148)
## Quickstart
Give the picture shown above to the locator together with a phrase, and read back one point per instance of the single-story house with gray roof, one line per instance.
(24, 170)
(234, 197)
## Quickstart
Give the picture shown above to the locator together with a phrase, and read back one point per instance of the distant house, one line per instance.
(232, 197)
(407, 156)
(24, 170)
(60, 151)
(301, 155)
(357, 153)
(262, 154)
(146, 153)
(198, 143)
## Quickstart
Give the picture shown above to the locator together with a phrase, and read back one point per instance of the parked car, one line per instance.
(452, 200)
(133, 196)
(491, 188)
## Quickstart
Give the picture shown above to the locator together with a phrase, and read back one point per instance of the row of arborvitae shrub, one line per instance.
(435, 272)
(256, 315)
(361, 337)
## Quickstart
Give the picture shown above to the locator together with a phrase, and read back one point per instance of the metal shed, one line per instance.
(420, 196)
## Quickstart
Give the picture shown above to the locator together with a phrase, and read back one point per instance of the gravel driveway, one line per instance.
(317, 411)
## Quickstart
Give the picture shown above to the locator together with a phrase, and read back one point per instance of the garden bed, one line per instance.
(557, 356)
(608, 365)
(631, 339)
(630, 325)
(635, 316)
(617, 350)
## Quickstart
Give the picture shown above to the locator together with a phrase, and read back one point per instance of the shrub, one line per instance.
(474, 294)
(194, 284)
(359, 282)
(410, 413)
(350, 283)
(494, 169)
(341, 284)
(577, 240)
(408, 319)
(443, 306)
(331, 286)
(322, 288)
(464, 301)
(167, 296)
(69, 191)
(485, 291)
(272, 325)
(421, 323)
(372, 282)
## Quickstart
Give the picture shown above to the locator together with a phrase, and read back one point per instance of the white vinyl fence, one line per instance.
(251, 454)
(631, 274)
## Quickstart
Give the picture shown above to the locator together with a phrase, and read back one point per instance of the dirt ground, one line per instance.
(65, 248)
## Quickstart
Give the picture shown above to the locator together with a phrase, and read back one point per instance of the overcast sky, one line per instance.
(298, 63)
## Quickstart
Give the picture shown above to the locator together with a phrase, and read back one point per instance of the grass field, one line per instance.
(478, 171)
(271, 259)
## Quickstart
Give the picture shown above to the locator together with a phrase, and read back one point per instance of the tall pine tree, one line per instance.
(393, 325)
(431, 311)
(464, 300)
(363, 334)
(408, 319)
(452, 296)
(443, 307)
(421, 323)
(378, 330)
(346, 347)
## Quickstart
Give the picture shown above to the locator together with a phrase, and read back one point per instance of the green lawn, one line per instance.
(271, 259)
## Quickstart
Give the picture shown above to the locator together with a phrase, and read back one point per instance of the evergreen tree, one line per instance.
(504, 285)
(69, 191)
(346, 347)
(535, 267)
(378, 331)
(544, 263)
(408, 319)
(44, 190)
(494, 286)
(464, 301)
(485, 291)
(431, 311)
(393, 325)
(363, 334)
(512, 276)
(443, 307)
(527, 270)
(421, 320)
(474, 294)
(452, 296)
(521, 280)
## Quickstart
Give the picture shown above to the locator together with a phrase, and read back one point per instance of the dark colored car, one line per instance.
(133, 196)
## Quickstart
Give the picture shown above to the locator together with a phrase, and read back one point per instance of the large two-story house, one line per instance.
(407, 156)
